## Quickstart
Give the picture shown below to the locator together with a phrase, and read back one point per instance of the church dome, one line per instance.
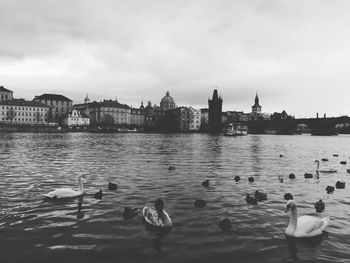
(167, 102)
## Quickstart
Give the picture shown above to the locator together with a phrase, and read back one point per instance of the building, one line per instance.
(59, 105)
(76, 119)
(194, 119)
(281, 116)
(256, 109)
(109, 113)
(5, 94)
(19, 111)
(215, 112)
(138, 116)
(167, 102)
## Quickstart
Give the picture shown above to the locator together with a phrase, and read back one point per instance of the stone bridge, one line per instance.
(317, 126)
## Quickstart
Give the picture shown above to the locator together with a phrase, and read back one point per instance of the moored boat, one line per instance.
(236, 129)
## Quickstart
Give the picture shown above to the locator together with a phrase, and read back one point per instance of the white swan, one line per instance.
(67, 192)
(304, 226)
(157, 217)
(323, 170)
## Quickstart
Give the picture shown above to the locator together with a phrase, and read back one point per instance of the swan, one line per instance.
(304, 226)
(324, 170)
(157, 217)
(67, 192)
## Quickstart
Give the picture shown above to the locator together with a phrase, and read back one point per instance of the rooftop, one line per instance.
(52, 97)
(2, 89)
(22, 102)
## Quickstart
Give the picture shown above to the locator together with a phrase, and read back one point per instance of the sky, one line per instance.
(295, 54)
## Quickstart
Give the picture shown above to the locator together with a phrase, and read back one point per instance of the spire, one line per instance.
(256, 98)
(215, 95)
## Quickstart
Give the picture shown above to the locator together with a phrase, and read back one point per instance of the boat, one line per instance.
(127, 130)
(236, 129)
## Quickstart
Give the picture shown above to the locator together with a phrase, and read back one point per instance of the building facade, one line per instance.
(76, 119)
(19, 111)
(109, 113)
(59, 105)
(215, 112)
(5, 94)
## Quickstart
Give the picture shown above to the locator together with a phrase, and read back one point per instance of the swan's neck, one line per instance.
(80, 185)
(317, 165)
(293, 220)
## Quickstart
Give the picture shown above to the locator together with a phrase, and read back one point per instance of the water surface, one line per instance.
(90, 230)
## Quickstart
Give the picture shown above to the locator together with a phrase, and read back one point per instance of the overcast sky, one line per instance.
(296, 54)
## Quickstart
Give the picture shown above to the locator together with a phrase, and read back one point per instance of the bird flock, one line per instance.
(295, 227)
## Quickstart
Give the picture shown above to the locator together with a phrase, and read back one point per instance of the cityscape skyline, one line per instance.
(295, 54)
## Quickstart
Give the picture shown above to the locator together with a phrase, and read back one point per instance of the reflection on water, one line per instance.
(94, 230)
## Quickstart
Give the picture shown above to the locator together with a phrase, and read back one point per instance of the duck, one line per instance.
(98, 195)
(251, 179)
(319, 206)
(112, 186)
(157, 216)
(335, 155)
(225, 224)
(291, 176)
(67, 192)
(199, 203)
(172, 168)
(348, 170)
(260, 196)
(251, 200)
(308, 175)
(205, 183)
(330, 189)
(304, 226)
(237, 178)
(288, 196)
(323, 170)
(340, 185)
(324, 160)
(342, 162)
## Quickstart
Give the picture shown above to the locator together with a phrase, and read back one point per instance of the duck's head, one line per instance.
(291, 205)
(159, 204)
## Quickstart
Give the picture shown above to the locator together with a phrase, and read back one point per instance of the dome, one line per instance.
(167, 102)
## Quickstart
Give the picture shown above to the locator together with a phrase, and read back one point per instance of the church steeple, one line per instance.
(256, 108)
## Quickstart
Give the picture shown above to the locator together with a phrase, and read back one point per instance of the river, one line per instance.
(93, 230)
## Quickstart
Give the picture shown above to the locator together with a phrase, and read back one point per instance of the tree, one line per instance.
(10, 115)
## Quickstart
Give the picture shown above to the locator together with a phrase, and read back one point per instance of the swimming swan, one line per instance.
(157, 217)
(304, 226)
(67, 192)
(324, 170)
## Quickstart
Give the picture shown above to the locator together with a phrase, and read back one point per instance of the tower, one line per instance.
(256, 108)
(215, 112)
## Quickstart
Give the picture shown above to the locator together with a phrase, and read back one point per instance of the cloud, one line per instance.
(290, 51)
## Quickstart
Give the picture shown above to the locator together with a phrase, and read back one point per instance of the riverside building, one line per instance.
(59, 106)
(5, 94)
(21, 112)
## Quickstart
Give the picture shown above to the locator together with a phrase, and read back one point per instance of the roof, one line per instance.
(2, 89)
(22, 102)
(52, 97)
